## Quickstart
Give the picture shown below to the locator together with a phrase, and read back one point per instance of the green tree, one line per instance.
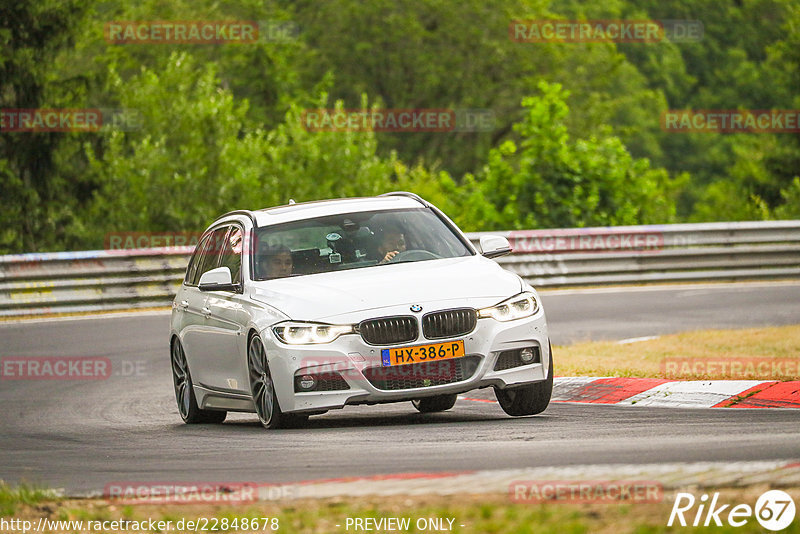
(550, 180)
(431, 54)
(747, 59)
(40, 183)
(197, 156)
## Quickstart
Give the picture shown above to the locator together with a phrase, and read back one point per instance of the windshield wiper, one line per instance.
(401, 261)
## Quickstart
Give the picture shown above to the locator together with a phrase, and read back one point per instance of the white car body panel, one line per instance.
(325, 296)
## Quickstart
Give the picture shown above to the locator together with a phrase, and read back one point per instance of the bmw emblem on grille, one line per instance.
(416, 308)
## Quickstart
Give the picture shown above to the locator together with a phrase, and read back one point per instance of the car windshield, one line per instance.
(352, 241)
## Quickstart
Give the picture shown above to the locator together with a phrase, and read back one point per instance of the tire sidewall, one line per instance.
(275, 416)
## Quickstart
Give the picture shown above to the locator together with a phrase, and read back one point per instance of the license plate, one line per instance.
(422, 353)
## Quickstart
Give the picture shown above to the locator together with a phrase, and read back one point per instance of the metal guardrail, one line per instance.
(68, 282)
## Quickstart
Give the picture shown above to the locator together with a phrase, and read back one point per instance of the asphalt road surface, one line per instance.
(82, 435)
(618, 313)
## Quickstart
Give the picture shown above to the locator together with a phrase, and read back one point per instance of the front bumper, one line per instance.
(352, 358)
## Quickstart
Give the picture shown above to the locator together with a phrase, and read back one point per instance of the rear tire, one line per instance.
(438, 403)
(184, 391)
(529, 399)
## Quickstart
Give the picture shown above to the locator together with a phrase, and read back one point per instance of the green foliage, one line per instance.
(749, 58)
(196, 156)
(221, 124)
(551, 180)
(426, 54)
(37, 194)
(177, 171)
(790, 209)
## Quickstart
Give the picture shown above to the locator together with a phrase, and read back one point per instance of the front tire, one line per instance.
(184, 391)
(439, 403)
(529, 399)
(262, 388)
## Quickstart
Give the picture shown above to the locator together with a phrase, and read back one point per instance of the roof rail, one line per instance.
(238, 212)
(405, 194)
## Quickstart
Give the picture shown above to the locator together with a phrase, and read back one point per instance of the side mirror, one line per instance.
(218, 279)
(494, 246)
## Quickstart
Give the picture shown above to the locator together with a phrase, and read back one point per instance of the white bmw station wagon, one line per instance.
(299, 309)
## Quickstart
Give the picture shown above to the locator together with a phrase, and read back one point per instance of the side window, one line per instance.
(210, 255)
(191, 270)
(232, 254)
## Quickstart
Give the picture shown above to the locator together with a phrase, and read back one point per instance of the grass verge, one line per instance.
(469, 513)
(23, 495)
(748, 354)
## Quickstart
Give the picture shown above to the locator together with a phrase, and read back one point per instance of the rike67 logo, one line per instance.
(774, 510)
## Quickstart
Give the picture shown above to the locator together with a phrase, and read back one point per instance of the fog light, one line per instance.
(307, 382)
(526, 355)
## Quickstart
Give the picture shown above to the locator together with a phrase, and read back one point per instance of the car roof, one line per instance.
(321, 208)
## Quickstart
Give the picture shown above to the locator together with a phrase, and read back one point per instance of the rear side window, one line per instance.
(191, 270)
(208, 258)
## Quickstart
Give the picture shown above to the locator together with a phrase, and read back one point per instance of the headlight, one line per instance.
(297, 333)
(517, 307)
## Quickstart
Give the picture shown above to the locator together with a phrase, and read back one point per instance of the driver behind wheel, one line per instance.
(392, 243)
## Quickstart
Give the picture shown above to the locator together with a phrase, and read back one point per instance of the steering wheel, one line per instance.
(415, 255)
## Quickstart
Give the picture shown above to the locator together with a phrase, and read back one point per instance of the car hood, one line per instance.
(320, 297)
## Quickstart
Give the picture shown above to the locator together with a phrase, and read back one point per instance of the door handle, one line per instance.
(184, 304)
(206, 312)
